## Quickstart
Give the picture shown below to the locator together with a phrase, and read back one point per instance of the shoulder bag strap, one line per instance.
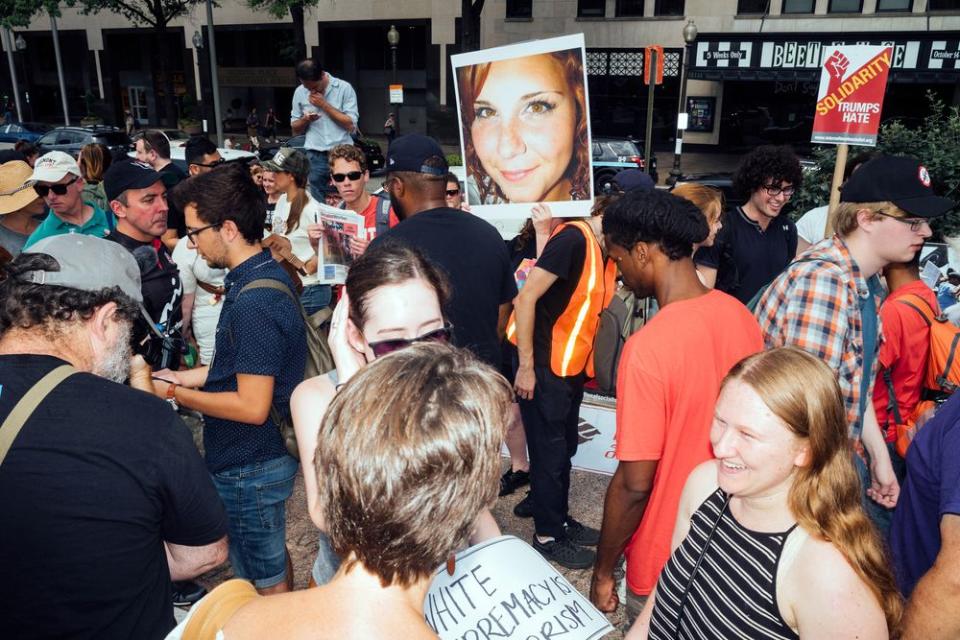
(927, 317)
(27, 405)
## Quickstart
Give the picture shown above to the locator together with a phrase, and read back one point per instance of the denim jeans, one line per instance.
(327, 562)
(316, 297)
(319, 174)
(255, 497)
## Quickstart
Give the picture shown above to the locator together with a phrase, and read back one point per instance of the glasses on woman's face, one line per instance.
(352, 176)
(452, 193)
(915, 224)
(384, 347)
(58, 189)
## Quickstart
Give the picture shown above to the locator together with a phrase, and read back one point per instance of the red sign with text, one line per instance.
(852, 85)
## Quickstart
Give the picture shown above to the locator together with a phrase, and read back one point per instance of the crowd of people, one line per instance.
(764, 486)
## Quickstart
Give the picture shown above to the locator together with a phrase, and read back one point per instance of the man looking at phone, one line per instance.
(325, 109)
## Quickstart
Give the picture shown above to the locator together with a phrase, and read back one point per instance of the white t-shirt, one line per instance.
(810, 226)
(299, 241)
(206, 306)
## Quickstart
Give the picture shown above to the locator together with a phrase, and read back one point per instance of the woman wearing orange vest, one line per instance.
(553, 325)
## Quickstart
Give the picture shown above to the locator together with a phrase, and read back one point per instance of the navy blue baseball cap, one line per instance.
(631, 179)
(128, 174)
(411, 153)
(901, 180)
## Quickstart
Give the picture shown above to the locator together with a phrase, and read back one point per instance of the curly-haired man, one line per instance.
(755, 243)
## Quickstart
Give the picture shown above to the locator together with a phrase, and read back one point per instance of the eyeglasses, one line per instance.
(452, 192)
(353, 175)
(192, 233)
(58, 189)
(385, 185)
(774, 190)
(211, 165)
(384, 347)
(915, 224)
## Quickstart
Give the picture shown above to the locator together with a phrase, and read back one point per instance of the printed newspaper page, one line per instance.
(334, 256)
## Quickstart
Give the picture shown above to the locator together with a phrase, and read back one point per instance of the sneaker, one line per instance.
(565, 553)
(187, 593)
(524, 509)
(580, 533)
(513, 480)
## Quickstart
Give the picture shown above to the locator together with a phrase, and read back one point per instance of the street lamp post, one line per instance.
(21, 45)
(393, 39)
(11, 43)
(689, 37)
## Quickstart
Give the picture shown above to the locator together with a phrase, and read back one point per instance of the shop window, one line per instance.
(845, 6)
(668, 8)
(798, 6)
(894, 5)
(753, 6)
(591, 8)
(519, 9)
(943, 5)
(629, 8)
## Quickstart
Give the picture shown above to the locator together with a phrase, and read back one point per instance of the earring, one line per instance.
(451, 564)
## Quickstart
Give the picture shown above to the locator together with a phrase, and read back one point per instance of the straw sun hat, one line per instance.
(14, 195)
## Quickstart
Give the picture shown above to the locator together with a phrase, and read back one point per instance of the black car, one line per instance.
(72, 139)
(371, 151)
(612, 155)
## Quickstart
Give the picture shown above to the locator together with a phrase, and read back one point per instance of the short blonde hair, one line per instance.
(407, 456)
(708, 199)
(846, 222)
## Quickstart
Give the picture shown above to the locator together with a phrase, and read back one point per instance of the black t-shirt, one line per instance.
(98, 478)
(747, 257)
(173, 175)
(473, 255)
(563, 256)
(162, 295)
(519, 252)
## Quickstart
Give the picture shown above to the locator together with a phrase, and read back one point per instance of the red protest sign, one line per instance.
(646, 64)
(852, 85)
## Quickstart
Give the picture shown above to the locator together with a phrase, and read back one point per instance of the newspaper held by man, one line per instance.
(333, 253)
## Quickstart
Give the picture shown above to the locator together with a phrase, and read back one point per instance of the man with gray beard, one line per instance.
(105, 498)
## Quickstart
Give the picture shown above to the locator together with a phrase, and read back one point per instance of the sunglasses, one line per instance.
(384, 347)
(58, 189)
(215, 163)
(353, 175)
(452, 192)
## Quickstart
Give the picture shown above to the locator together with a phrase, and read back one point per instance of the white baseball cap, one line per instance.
(52, 167)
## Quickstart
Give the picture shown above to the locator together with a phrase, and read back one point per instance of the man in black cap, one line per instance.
(468, 248)
(138, 197)
(827, 302)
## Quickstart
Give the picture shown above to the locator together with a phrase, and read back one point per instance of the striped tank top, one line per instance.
(733, 593)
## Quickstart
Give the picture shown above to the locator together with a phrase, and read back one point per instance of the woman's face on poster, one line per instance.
(524, 126)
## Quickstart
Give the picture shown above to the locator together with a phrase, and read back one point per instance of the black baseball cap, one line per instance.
(411, 152)
(630, 179)
(901, 180)
(128, 175)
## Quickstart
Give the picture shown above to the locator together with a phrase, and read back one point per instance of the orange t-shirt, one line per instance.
(667, 386)
(370, 215)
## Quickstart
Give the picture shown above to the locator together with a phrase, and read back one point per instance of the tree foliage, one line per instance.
(19, 13)
(279, 9)
(147, 13)
(936, 143)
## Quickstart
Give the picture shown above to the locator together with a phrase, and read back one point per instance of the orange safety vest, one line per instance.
(571, 349)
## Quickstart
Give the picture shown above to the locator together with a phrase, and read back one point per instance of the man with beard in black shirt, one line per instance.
(138, 197)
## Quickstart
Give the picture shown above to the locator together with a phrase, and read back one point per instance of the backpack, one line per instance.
(942, 376)
(754, 302)
(618, 321)
(383, 213)
(319, 357)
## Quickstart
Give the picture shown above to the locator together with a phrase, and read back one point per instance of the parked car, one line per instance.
(29, 131)
(612, 155)
(721, 180)
(178, 156)
(177, 137)
(72, 139)
(371, 151)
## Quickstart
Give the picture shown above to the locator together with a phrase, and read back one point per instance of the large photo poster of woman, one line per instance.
(525, 127)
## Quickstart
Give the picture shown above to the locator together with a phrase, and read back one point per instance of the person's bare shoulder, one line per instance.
(311, 397)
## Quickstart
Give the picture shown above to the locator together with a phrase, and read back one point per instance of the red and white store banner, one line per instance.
(853, 82)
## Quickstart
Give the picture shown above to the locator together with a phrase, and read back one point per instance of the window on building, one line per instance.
(629, 8)
(894, 5)
(519, 8)
(798, 6)
(668, 8)
(753, 6)
(943, 5)
(591, 8)
(845, 6)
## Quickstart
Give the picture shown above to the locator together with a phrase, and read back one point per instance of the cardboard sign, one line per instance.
(852, 85)
(502, 588)
(524, 114)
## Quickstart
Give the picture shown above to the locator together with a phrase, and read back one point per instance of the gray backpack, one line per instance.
(621, 319)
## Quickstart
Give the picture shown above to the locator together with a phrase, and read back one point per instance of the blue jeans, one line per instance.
(255, 498)
(316, 297)
(319, 174)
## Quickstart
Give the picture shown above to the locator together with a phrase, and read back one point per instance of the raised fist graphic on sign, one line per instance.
(838, 65)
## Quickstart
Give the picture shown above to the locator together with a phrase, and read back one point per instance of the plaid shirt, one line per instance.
(815, 306)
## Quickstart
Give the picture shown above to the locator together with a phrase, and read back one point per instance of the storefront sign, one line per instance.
(502, 588)
(396, 94)
(852, 85)
(702, 111)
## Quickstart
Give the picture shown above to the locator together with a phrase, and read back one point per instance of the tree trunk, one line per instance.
(299, 42)
(163, 60)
